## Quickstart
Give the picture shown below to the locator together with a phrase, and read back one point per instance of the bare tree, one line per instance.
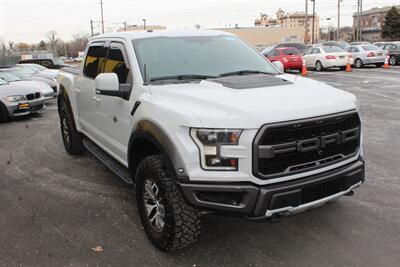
(53, 41)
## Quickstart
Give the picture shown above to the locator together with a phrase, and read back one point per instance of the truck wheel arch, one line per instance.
(148, 139)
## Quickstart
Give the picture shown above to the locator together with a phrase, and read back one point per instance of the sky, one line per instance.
(30, 20)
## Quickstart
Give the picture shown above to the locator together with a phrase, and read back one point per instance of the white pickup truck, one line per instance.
(200, 122)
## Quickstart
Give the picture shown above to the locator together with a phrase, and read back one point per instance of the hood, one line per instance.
(46, 75)
(35, 85)
(15, 89)
(49, 82)
(220, 106)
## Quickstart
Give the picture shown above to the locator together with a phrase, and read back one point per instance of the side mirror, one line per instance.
(279, 66)
(108, 84)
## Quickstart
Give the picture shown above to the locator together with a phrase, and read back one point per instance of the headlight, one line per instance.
(209, 141)
(15, 98)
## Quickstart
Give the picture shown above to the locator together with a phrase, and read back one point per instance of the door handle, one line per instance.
(97, 99)
(77, 90)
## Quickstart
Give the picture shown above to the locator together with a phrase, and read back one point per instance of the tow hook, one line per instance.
(349, 194)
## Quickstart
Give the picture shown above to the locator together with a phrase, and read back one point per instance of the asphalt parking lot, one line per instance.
(56, 208)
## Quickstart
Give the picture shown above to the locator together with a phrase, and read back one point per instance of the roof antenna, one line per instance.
(145, 75)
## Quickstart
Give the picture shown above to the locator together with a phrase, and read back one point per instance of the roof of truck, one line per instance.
(161, 33)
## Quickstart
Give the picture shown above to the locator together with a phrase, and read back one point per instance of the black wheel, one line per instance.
(358, 63)
(72, 139)
(168, 220)
(318, 66)
(3, 113)
(393, 60)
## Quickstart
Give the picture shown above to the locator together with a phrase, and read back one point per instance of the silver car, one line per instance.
(40, 71)
(18, 101)
(25, 74)
(46, 91)
(367, 55)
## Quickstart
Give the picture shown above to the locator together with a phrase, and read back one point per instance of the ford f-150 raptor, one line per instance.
(200, 122)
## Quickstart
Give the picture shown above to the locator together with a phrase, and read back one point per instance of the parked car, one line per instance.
(51, 63)
(393, 50)
(299, 46)
(201, 123)
(360, 43)
(341, 44)
(290, 58)
(379, 44)
(325, 57)
(24, 74)
(366, 55)
(46, 91)
(16, 100)
(41, 71)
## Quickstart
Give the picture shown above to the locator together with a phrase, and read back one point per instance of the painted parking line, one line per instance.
(355, 75)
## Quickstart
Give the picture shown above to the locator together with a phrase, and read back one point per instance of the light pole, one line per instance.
(306, 23)
(102, 18)
(338, 20)
(313, 22)
(144, 24)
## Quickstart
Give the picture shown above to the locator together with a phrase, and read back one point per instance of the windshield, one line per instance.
(9, 77)
(2, 82)
(20, 73)
(370, 48)
(291, 51)
(58, 61)
(200, 55)
(333, 49)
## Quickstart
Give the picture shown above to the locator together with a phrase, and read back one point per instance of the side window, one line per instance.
(45, 63)
(94, 60)
(116, 62)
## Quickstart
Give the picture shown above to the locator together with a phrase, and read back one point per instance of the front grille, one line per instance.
(293, 152)
(33, 96)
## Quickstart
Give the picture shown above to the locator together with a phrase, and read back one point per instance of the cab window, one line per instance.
(94, 60)
(117, 63)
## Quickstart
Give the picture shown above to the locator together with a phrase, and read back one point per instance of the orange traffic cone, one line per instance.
(304, 69)
(348, 66)
(386, 65)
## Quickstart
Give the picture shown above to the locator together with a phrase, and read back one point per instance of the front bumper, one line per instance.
(25, 107)
(261, 202)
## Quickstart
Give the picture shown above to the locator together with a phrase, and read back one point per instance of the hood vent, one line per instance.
(250, 81)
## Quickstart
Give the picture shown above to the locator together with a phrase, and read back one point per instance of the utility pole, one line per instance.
(91, 28)
(144, 24)
(338, 19)
(359, 18)
(306, 23)
(313, 22)
(125, 26)
(102, 18)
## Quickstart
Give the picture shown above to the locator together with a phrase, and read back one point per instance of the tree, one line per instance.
(53, 41)
(42, 45)
(391, 25)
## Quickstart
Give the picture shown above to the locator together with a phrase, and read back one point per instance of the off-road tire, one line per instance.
(72, 139)
(181, 220)
(3, 113)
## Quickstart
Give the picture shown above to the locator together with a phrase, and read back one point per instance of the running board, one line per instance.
(114, 166)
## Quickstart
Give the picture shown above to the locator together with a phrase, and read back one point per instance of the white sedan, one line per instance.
(326, 57)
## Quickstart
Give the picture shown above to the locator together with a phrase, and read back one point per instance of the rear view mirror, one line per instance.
(279, 66)
(108, 84)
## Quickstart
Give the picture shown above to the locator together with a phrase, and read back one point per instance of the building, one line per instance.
(264, 36)
(265, 21)
(141, 28)
(291, 20)
(371, 22)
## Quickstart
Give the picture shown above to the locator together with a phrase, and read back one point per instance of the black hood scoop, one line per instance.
(250, 81)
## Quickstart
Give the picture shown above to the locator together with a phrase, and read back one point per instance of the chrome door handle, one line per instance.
(77, 90)
(97, 99)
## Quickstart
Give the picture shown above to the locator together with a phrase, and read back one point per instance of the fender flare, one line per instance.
(149, 131)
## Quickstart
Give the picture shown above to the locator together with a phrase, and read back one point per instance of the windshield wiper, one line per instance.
(183, 77)
(243, 72)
